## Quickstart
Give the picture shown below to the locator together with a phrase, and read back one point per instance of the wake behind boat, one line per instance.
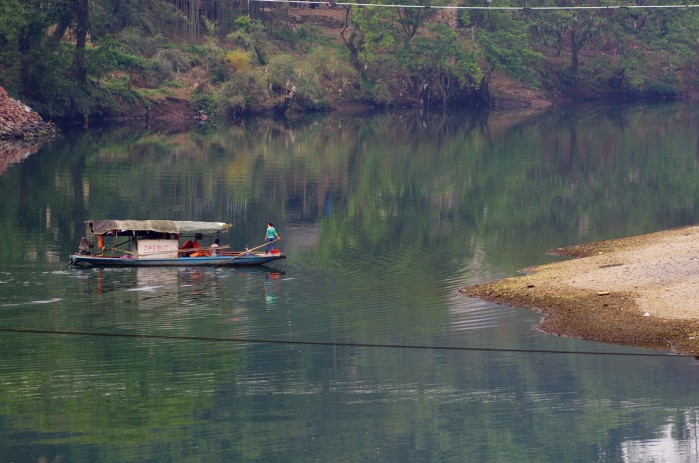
(159, 243)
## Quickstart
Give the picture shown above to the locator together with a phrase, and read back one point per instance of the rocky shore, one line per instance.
(19, 122)
(640, 291)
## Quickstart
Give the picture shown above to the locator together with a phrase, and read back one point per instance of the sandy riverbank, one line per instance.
(639, 291)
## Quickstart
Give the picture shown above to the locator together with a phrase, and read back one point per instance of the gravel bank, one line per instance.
(639, 291)
(19, 122)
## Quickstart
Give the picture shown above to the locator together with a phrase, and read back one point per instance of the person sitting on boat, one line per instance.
(214, 247)
(197, 237)
(85, 245)
(270, 237)
(189, 244)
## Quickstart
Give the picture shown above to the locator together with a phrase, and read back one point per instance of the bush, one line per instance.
(243, 93)
(133, 41)
(158, 71)
(116, 96)
(328, 65)
(220, 72)
(238, 60)
(109, 56)
(300, 83)
(662, 90)
(179, 61)
(512, 54)
(382, 93)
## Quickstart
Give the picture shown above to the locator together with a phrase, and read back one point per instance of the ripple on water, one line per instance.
(478, 315)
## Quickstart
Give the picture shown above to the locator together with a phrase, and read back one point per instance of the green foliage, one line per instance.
(377, 26)
(243, 93)
(250, 37)
(179, 61)
(247, 25)
(661, 90)
(115, 96)
(144, 17)
(159, 70)
(388, 53)
(133, 41)
(510, 53)
(59, 94)
(63, 96)
(327, 64)
(439, 66)
(219, 69)
(381, 93)
(238, 60)
(196, 51)
(473, 19)
(443, 52)
(205, 101)
(289, 79)
(14, 15)
(109, 55)
(285, 34)
(507, 46)
(242, 39)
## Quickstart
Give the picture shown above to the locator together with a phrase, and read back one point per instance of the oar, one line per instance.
(246, 251)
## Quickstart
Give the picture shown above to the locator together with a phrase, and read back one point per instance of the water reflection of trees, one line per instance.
(380, 178)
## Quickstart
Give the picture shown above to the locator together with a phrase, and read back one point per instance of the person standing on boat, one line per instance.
(214, 247)
(270, 237)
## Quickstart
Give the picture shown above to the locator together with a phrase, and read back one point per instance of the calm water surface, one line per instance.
(326, 356)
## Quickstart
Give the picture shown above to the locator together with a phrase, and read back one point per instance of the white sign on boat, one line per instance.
(157, 249)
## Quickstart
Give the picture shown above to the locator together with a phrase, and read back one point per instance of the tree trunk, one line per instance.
(25, 62)
(82, 15)
(574, 50)
(350, 43)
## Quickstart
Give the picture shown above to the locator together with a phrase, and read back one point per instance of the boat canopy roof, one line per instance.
(180, 227)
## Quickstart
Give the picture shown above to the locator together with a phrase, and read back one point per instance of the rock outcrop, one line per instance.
(19, 122)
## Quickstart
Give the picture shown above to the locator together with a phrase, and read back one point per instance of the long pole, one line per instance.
(246, 251)
(263, 244)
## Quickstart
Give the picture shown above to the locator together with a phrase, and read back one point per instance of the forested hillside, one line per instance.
(224, 58)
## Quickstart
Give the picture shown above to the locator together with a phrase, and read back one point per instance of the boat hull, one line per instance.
(216, 261)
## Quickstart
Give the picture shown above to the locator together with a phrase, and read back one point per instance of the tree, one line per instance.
(575, 27)
(507, 45)
(411, 19)
(354, 42)
(440, 66)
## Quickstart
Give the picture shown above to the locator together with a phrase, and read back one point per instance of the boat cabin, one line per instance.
(152, 239)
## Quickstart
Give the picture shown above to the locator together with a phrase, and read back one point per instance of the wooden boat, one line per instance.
(157, 243)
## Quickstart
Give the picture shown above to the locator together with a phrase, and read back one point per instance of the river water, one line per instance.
(357, 347)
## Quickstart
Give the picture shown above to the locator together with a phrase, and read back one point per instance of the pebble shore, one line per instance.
(22, 131)
(19, 122)
(640, 291)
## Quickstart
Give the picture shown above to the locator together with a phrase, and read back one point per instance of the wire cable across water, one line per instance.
(332, 343)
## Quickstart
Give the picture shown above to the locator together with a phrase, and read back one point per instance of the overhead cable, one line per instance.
(482, 7)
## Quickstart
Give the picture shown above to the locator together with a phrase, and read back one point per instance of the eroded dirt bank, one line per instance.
(639, 291)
